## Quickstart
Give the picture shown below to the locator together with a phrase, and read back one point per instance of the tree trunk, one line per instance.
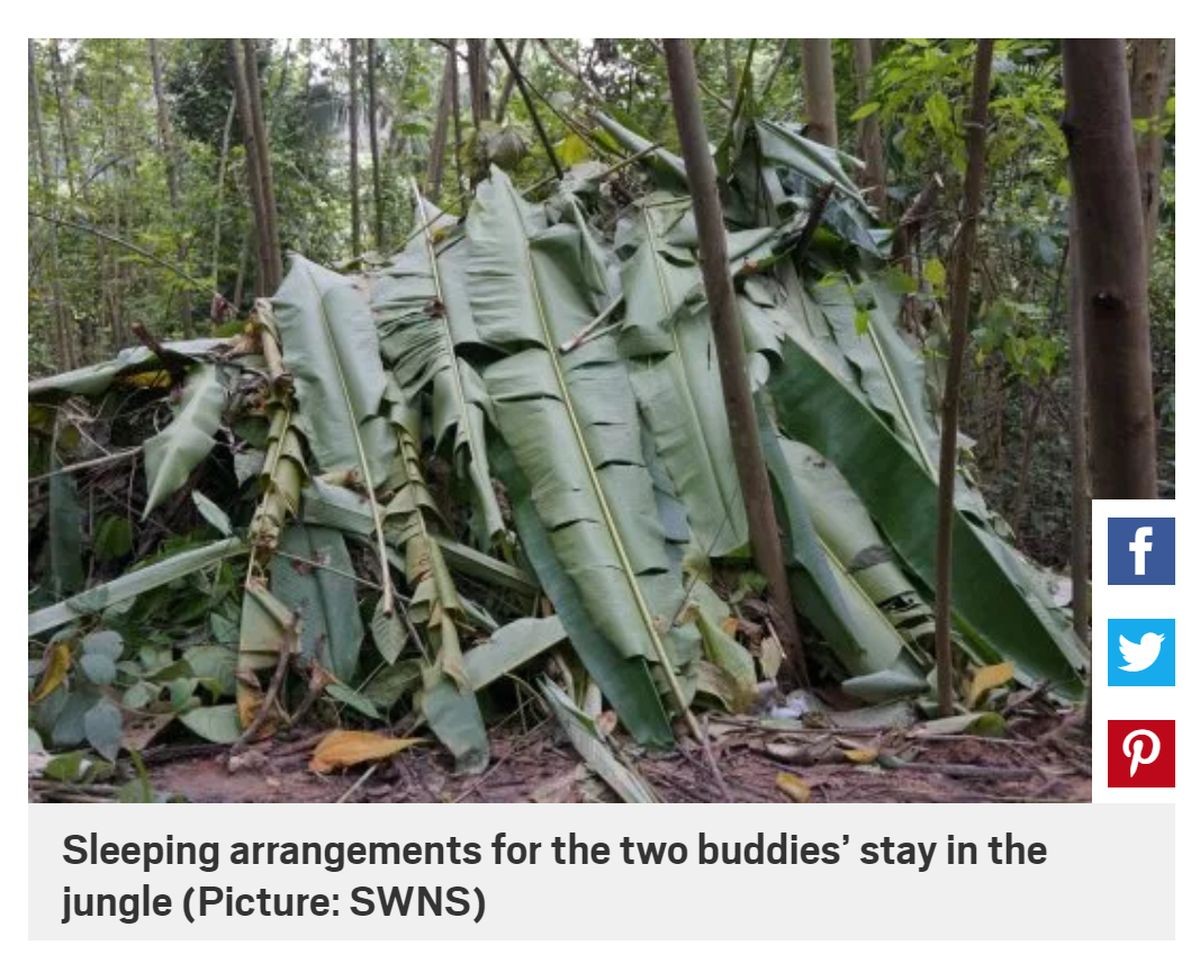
(355, 213)
(1112, 260)
(373, 131)
(731, 351)
(270, 265)
(63, 337)
(437, 143)
(456, 116)
(1150, 81)
(960, 303)
(820, 97)
(222, 167)
(250, 47)
(171, 163)
(731, 71)
(66, 126)
(1081, 502)
(870, 139)
(477, 77)
(509, 82)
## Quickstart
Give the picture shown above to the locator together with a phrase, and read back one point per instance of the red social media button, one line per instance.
(1141, 753)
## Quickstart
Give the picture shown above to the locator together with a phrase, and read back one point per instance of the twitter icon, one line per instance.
(1141, 652)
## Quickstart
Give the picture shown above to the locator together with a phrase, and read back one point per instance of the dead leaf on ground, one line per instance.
(58, 662)
(863, 755)
(342, 748)
(986, 678)
(793, 787)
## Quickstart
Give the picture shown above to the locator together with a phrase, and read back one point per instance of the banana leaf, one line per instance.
(572, 427)
(312, 574)
(331, 350)
(672, 367)
(186, 441)
(97, 378)
(447, 697)
(1000, 616)
(422, 311)
(95, 600)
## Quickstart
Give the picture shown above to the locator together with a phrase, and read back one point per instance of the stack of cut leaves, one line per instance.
(390, 496)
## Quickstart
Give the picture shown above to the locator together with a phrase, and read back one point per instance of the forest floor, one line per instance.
(1041, 759)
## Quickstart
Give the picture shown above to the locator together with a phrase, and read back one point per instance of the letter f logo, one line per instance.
(1141, 546)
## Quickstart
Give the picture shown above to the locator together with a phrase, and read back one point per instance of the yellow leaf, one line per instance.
(862, 756)
(341, 748)
(988, 677)
(58, 662)
(730, 626)
(794, 787)
(147, 379)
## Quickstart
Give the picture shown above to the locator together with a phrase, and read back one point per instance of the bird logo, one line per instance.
(1139, 656)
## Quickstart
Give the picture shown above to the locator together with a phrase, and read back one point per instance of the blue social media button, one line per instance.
(1141, 551)
(1141, 651)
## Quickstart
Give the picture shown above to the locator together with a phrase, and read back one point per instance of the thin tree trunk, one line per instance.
(820, 96)
(373, 131)
(509, 82)
(270, 267)
(260, 132)
(731, 351)
(1081, 502)
(63, 336)
(870, 139)
(774, 72)
(456, 115)
(523, 87)
(66, 128)
(222, 167)
(477, 77)
(960, 303)
(1112, 258)
(355, 213)
(731, 72)
(1150, 81)
(171, 163)
(437, 143)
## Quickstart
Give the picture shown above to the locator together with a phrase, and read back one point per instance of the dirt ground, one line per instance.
(1040, 759)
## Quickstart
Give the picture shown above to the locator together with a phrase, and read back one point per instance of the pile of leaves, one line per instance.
(397, 496)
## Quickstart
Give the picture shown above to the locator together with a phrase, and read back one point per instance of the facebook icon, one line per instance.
(1141, 551)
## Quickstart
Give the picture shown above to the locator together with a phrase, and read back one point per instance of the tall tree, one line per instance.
(355, 213)
(870, 139)
(373, 133)
(1153, 65)
(960, 303)
(509, 82)
(1081, 502)
(820, 93)
(244, 73)
(166, 144)
(727, 335)
(1112, 269)
(477, 81)
(441, 125)
(63, 337)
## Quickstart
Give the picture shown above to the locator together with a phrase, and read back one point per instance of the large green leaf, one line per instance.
(174, 452)
(572, 426)
(880, 627)
(132, 584)
(1001, 616)
(422, 311)
(97, 378)
(332, 352)
(65, 520)
(313, 575)
(667, 336)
